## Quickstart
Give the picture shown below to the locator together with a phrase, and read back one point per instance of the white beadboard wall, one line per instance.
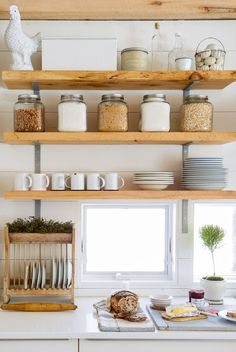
(124, 159)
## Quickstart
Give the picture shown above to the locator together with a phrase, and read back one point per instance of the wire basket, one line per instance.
(212, 58)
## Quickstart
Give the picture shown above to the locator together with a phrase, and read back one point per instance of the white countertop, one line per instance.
(82, 324)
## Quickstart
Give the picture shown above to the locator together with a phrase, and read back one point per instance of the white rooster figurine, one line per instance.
(20, 45)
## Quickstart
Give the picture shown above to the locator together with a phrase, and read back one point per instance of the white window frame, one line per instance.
(231, 280)
(107, 280)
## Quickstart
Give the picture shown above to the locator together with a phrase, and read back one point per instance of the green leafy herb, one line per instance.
(39, 225)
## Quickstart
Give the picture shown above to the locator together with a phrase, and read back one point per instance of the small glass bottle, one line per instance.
(155, 46)
(29, 115)
(176, 52)
(112, 114)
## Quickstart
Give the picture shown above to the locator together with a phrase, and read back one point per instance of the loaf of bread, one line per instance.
(124, 302)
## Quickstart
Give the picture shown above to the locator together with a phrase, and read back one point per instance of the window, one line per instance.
(224, 215)
(127, 241)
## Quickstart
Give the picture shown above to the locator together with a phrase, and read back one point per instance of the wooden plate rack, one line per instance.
(22, 251)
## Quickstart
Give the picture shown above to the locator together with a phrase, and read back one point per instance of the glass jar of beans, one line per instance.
(29, 114)
(196, 114)
(112, 114)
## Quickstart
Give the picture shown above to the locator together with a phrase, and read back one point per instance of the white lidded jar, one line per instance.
(155, 113)
(72, 113)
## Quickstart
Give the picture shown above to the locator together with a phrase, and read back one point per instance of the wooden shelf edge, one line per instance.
(96, 80)
(178, 138)
(130, 194)
(40, 292)
(40, 237)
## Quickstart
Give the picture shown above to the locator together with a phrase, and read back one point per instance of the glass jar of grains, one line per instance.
(196, 114)
(134, 59)
(112, 114)
(29, 114)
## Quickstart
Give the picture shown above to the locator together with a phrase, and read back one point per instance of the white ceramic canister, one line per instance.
(155, 113)
(134, 59)
(72, 113)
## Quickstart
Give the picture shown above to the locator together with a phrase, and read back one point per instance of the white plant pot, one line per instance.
(214, 290)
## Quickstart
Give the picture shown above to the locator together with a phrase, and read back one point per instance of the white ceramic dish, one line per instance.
(153, 187)
(60, 274)
(26, 277)
(161, 297)
(54, 273)
(152, 183)
(39, 276)
(65, 274)
(34, 275)
(43, 281)
(223, 314)
(69, 273)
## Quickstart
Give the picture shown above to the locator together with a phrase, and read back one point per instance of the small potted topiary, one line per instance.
(214, 286)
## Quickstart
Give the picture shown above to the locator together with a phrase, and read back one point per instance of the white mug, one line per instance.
(58, 182)
(112, 181)
(95, 182)
(76, 181)
(40, 182)
(22, 182)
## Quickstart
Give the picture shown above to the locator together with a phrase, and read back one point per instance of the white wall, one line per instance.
(124, 159)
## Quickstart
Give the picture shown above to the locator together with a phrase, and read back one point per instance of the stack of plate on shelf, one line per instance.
(153, 180)
(204, 173)
(161, 301)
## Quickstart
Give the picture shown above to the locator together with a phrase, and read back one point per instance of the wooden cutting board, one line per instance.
(198, 317)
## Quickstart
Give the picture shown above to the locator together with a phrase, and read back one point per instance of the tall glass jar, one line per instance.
(72, 113)
(196, 114)
(29, 114)
(113, 114)
(155, 113)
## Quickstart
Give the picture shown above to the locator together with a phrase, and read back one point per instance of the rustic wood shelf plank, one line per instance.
(40, 238)
(40, 292)
(122, 10)
(178, 138)
(134, 194)
(110, 80)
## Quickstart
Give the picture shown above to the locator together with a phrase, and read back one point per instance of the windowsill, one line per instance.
(82, 324)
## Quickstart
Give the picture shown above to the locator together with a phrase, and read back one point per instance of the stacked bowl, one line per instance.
(204, 173)
(153, 180)
(161, 301)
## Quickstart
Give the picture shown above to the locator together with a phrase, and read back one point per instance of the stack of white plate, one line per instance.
(153, 180)
(161, 300)
(204, 173)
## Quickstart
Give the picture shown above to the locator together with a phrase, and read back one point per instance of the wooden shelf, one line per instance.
(134, 194)
(40, 292)
(179, 138)
(118, 80)
(40, 238)
(123, 10)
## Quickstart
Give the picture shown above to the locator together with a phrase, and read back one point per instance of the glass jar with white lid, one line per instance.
(72, 113)
(155, 113)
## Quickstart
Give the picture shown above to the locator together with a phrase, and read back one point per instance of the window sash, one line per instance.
(167, 274)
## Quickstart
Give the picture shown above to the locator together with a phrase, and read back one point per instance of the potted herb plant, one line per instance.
(214, 286)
